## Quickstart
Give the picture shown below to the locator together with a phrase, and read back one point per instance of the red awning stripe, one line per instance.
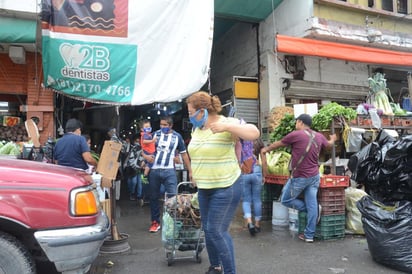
(312, 47)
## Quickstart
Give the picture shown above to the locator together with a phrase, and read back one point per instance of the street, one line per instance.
(271, 251)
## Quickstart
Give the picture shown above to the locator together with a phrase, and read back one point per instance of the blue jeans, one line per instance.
(134, 184)
(251, 194)
(157, 177)
(217, 208)
(309, 187)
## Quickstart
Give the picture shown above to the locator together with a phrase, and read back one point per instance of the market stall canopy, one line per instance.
(17, 30)
(127, 52)
(347, 52)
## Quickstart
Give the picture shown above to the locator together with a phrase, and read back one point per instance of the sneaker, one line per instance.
(132, 198)
(257, 229)
(214, 270)
(251, 228)
(319, 213)
(140, 202)
(306, 240)
(155, 227)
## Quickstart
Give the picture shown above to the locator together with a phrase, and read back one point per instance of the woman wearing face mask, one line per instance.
(162, 172)
(216, 173)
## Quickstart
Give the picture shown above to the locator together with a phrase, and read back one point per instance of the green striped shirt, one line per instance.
(213, 159)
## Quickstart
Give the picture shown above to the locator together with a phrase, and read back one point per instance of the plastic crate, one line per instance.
(332, 200)
(329, 227)
(327, 181)
(270, 192)
(267, 208)
(276, 179)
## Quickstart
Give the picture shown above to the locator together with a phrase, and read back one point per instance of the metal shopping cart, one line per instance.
(182, 235)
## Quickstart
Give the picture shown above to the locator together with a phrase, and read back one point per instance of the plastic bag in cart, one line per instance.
(170, 229)
(388, 232)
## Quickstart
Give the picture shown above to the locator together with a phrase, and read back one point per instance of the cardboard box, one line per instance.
(310, 109)
(108, 163)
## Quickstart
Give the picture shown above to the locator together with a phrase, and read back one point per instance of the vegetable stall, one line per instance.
(360, 124)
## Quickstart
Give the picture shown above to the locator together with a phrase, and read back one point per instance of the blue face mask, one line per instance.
(199, 123)
(147, 129)
(165, 130)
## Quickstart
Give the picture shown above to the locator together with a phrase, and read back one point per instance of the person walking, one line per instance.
(72, 149)
(252, 183)
(133, 170)
(162, 172)
(216, 173)
(304, 178)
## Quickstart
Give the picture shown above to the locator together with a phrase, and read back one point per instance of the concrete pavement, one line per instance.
(271, 251)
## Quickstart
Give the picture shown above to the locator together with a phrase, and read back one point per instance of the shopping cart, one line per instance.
(182, 235)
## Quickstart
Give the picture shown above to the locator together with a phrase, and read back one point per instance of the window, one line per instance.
(387, 5)
(403, 6)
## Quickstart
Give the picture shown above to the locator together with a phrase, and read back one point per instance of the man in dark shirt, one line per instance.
(72, 149)
(306, 146)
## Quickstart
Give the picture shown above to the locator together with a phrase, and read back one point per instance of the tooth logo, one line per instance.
(85, 57)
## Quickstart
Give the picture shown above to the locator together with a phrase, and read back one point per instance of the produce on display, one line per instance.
(323, 119)
(277, 114)
(278, 162)
(285, 126)
(16, 133)
(9, 148)
(379, 93)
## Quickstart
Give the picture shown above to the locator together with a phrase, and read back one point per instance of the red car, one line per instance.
(48, 212)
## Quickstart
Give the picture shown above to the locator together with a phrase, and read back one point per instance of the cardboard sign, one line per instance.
(108, 164)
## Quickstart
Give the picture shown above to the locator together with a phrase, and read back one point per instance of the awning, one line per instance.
(370, 55)
(326, 91)
(15, 30)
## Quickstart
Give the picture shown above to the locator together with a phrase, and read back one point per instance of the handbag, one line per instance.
(247, 166)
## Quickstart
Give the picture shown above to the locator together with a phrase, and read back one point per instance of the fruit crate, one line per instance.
(330, 227)
(276, 179)
(332, 201)
(328, 181)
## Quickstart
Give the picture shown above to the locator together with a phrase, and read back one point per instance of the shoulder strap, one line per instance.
(311, 140)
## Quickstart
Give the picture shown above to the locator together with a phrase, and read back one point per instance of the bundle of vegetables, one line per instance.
(323, 119)
(379, 92)
(397, 110)
(9, 148)
(285, 126)
(278, 162)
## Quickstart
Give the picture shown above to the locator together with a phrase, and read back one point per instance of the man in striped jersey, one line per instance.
(168, 144)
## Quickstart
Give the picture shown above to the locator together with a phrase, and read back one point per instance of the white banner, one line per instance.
(127, 52)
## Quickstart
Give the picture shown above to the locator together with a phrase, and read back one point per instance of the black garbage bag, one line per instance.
(398, 153)
(388, 232)
(363, 162)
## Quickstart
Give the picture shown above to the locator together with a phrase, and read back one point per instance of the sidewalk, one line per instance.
(271, 251)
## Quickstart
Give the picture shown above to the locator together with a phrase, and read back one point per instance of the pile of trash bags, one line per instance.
(384, 168)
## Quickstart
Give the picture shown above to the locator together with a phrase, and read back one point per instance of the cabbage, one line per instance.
(278, 162)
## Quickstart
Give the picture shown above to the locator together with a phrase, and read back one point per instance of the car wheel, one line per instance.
(14, 257)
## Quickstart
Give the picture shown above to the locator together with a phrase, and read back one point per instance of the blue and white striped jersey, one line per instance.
(167, 146)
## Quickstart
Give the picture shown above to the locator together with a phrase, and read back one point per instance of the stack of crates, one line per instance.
(270, 193)
(331, 196)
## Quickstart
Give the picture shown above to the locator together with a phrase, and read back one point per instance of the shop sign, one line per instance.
(126, 52)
